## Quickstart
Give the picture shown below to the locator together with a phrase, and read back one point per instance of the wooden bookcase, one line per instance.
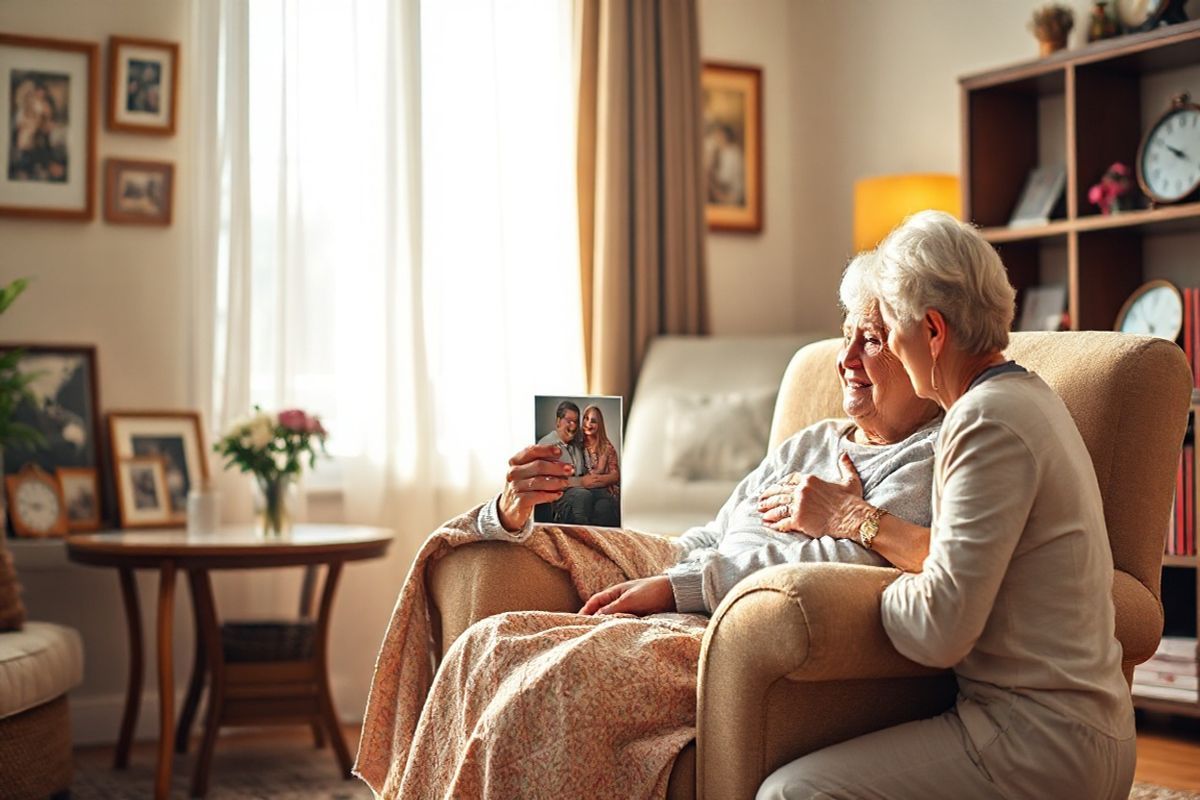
(1086, 109)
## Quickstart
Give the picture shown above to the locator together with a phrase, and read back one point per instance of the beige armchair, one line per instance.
(796, 657)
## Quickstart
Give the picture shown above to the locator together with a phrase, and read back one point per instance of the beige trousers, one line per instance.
(1039, 755)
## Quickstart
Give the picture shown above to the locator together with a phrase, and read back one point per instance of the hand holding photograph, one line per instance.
(588, 431)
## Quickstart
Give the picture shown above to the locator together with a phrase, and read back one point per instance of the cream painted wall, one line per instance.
(870, 87)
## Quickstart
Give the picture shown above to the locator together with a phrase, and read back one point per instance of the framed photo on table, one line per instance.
(48, 151)
(173, 436)
(732, 147)
(143, 77)
(143, 495)
(81, 497)
(64, 409)
(138, 192)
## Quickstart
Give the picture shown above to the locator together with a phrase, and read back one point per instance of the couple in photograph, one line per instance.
(593, 495)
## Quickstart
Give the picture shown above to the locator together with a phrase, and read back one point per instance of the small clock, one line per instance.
(35, 503)
(1155, 309)
(1168, 160)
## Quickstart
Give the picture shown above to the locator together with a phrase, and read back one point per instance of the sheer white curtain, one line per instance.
(385, 218)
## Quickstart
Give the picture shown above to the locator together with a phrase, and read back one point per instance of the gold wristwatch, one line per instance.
(870, 527)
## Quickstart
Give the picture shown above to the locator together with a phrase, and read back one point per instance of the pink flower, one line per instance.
(313, 425)
(294, 419)
(1119, 169)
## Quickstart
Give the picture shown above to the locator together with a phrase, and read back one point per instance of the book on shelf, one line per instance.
(1155, 677)
(1165, 692)
(1176, 647)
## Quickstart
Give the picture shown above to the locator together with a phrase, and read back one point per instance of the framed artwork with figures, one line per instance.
(62, 407)
(143, 79)
(732, 149)
(138, 192)
(172, 437)
(48, 151)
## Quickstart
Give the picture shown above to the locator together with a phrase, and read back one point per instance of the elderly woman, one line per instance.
(867, 479)
(1016, 592)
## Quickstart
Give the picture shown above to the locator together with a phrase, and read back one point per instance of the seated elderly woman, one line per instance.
(600, 703)
(1016, 592)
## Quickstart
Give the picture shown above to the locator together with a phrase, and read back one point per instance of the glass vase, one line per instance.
(274, 506)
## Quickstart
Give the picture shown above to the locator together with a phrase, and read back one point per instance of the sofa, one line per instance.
(39, 663)
(796, 657)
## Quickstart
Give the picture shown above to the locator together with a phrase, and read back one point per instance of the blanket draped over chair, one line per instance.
(534, 703)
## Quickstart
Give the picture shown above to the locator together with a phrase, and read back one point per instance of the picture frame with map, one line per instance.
(64, 408)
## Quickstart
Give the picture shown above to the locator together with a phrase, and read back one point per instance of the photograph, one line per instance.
(143, 79)
(62, 408)
(143, 493)
(81, 495)
(174, 439)
(49, 150)
(588, 429)
(732, 147)
(138, 192)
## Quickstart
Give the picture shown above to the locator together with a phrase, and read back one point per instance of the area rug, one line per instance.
(240, 771)
(1145, 791)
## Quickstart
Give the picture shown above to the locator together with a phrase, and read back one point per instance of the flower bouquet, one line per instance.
(273, 447)
(1115, 185)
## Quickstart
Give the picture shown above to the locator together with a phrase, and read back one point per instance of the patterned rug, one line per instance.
(1144, 791)
(241, 770)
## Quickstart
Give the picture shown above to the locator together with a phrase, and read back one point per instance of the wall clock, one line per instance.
(1168, 160)
(1154, 309)
(35, 503)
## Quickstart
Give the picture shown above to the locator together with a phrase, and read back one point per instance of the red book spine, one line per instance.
(1179, 506)
(1189, 506)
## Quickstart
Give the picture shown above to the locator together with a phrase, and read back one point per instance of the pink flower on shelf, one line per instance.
(1113, 185)
(1119, 169)
(294, 419)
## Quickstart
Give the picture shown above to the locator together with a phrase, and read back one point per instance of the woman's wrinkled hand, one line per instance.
(590, 481)
(816, 507)
(642, 597)
(535, 476)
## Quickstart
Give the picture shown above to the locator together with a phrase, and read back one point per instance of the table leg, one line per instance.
(209, 632)
(133, 692)
(166, 679)
(332, 726)
(183, 731)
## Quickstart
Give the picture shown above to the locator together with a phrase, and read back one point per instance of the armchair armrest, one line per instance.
(796, 659)
(483, 578)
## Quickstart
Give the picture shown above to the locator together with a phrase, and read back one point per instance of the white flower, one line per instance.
(281, 460)
(261, 431)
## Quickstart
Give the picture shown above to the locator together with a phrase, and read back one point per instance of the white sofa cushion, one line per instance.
(37, 664)
(717, 436)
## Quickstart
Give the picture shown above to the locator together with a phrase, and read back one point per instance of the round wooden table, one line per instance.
(289, 691)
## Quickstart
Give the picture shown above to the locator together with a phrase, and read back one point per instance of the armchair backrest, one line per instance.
(1129, 396)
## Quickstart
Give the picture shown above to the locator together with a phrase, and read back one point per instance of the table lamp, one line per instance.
(881, 203)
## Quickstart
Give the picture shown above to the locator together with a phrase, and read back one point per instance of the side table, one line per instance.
(278, 692)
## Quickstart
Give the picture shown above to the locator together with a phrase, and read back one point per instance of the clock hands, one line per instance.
(1179, 153)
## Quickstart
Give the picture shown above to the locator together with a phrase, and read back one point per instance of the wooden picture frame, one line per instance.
(81, 497)
(48, 152)
(138, 192)
(143, 496)
(732, 147)
(66, 410)
(143, 85)
(175, 436)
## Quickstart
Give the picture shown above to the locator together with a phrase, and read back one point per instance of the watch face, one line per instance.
(37, 506)
(1170, 163)
(1156, 312)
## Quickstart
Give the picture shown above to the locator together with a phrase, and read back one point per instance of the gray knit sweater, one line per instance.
(714, 557)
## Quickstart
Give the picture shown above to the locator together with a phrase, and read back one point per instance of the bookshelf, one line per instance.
(1087, 108)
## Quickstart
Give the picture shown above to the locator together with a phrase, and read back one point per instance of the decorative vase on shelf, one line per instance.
(275, 506)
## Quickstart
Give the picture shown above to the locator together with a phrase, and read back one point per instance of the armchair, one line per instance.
(796, 658)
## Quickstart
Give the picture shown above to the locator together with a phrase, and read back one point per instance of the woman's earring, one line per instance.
(933, 374)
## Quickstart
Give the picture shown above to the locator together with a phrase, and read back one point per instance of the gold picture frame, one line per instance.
(732, 147)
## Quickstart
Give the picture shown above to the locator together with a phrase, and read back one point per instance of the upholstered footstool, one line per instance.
(38, 666)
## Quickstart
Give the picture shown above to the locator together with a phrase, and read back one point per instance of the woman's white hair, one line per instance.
(933, 261)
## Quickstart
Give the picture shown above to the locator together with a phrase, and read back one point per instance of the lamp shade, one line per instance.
(881, 203)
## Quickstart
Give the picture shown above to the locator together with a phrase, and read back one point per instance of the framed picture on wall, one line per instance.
(48, 151)
(138, 192)
(143, 79)
(732, 150)
(173, 436)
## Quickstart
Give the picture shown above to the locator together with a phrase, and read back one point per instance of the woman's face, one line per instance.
(910, 344)
(591, 422)
(876, 392)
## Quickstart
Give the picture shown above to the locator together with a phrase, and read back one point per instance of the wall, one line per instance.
(870, 88)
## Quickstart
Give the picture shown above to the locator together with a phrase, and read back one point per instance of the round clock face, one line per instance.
(37, 506)
(1169, 163)
(1157, 311)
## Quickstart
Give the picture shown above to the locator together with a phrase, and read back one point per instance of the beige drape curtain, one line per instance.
(641, 198)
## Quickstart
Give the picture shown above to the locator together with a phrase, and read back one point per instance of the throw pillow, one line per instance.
(717, 436)
(12, 611)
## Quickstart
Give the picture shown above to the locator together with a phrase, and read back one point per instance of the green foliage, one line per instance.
(14, 385)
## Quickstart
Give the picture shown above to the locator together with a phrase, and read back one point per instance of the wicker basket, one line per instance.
(35, 752)
(262, 640)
